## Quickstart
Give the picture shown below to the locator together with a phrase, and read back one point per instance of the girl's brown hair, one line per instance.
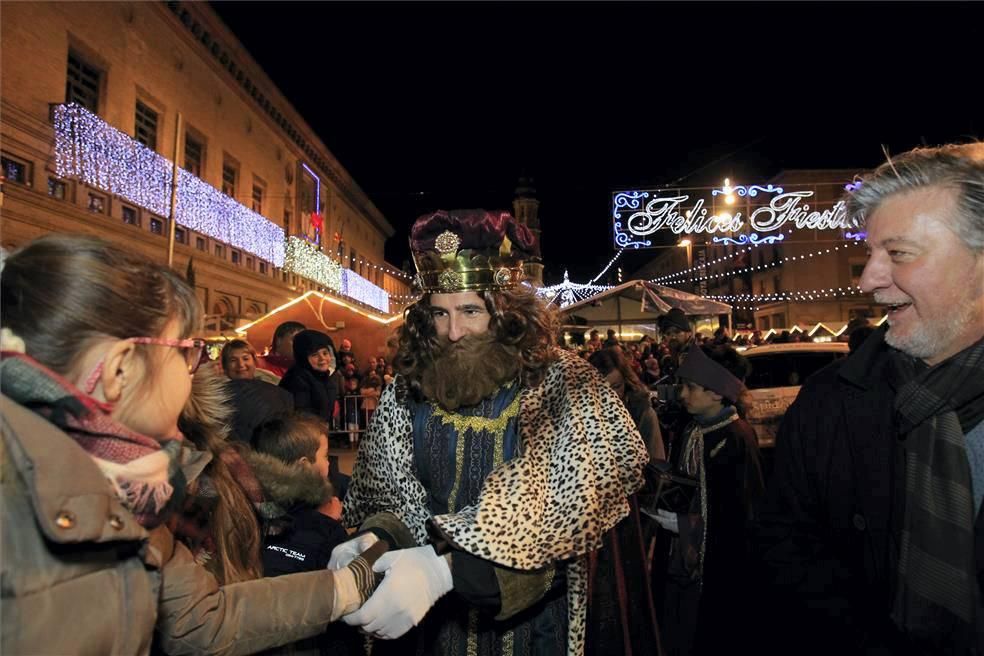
(232, 524)
(61, 292)
(611, 358)
(518, 318)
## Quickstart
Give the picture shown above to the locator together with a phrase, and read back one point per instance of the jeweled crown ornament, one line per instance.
(469, 250)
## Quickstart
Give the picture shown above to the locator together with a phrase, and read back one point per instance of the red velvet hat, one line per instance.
(469, 250)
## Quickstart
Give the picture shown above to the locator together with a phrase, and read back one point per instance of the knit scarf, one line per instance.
(936, 600)
(144, 473)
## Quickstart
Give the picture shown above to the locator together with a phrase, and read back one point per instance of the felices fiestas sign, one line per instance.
(638, 214)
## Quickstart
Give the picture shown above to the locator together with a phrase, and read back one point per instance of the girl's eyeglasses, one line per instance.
(191, 349)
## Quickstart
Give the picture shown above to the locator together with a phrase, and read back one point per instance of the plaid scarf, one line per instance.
(936, 601)
(144, 473)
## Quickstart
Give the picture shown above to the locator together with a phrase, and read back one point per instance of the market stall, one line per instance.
(368, 330)
(632, 309)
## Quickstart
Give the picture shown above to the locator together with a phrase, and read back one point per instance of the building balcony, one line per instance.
(91, 151)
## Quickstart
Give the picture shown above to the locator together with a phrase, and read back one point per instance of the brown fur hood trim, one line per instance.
(288, 484)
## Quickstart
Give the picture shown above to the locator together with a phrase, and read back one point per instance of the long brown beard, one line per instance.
(469, 370)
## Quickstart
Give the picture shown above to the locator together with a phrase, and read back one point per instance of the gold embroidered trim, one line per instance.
(459, 457)
(473, 632)
(462, 423)
(507, 642)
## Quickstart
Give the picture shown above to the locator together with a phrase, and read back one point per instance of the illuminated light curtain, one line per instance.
(89, 149)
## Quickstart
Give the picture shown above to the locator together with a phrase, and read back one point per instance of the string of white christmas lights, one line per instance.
(384, 269)
(723, 258)
(304, 259)
(812, 294)
(409, 298)
(607, 267)
(91, 150)
(357, 287)
(568, 293)
(760, 267)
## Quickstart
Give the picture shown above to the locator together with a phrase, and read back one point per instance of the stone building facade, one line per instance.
(136, 71)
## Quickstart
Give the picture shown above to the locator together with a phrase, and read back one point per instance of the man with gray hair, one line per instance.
(872, 534)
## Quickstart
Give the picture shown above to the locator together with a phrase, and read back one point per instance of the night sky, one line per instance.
(446, 105)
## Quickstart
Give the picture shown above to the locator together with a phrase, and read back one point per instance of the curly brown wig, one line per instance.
(518, 319)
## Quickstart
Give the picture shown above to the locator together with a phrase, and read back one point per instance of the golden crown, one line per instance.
(448, 268)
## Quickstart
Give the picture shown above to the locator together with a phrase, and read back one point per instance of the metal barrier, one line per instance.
(352, 419)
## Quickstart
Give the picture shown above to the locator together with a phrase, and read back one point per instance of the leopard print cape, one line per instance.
(580, 456)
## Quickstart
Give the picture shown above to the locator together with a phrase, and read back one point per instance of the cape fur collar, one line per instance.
(580, 457)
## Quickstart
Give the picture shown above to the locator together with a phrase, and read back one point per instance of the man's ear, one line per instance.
(118, 370)
(715, 396)
(304, 460)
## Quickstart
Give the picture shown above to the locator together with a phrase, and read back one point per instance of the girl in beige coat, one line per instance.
(95, 369)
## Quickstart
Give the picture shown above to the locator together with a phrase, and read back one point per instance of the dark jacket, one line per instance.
(304, 540)
(827, 532)
(641, 408)
(312, 393)
(734, 481)
(256, 402)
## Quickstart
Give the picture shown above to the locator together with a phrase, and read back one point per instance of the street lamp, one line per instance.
(729, 197)
(686, 243)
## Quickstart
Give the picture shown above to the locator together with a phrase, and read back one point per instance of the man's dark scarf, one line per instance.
(936, 602)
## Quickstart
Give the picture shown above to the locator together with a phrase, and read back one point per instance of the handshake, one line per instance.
(409, 582)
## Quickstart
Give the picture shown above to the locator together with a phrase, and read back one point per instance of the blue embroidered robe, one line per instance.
(453, 454)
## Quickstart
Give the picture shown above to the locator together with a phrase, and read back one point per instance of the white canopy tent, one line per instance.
(638, 302)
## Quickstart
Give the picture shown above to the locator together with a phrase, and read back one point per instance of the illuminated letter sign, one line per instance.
(637, 215)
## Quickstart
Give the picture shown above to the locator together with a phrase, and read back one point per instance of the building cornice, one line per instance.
(200, 25)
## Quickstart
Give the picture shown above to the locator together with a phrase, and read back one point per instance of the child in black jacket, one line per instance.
(290, 459)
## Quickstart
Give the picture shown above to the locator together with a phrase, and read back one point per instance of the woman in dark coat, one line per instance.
(309, 380)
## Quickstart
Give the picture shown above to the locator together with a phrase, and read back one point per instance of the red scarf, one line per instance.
(144, 472)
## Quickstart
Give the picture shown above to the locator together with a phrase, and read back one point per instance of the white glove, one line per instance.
(667, 520)
(415, 579)
(346, 552)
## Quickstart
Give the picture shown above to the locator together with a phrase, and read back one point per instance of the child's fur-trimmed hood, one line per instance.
(287, 484)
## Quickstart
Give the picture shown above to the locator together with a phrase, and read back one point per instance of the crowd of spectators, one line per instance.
(340, 388)
(653, 360)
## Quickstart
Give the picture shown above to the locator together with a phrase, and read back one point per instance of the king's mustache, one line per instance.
(466, 344)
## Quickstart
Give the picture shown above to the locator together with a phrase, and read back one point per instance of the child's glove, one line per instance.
(355, 582)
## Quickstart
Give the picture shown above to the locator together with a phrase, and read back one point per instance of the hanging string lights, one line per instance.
(357, 287)
(811, 295)
(304, 259)
(608, 266)
(568, 293)
(760, 267)
(89, 149)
